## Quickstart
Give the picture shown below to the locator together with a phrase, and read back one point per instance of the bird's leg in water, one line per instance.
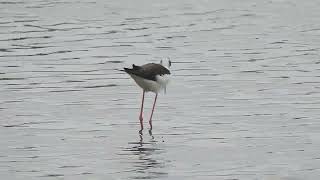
(141, 111)
(154, 104)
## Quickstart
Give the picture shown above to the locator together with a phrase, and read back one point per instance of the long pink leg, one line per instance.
(141, 111)
(154, 104)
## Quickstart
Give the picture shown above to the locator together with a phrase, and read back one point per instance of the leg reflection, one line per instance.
(148, 158)
(150, 133)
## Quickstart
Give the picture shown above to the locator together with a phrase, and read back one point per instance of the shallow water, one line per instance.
(243, 102)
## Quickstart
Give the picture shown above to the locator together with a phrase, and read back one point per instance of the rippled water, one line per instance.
(243, 102)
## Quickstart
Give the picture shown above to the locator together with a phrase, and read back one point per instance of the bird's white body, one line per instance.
(153, 86)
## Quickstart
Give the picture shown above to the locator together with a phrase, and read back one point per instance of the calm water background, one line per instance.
(243, 102)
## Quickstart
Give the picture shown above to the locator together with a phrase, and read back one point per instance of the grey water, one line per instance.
(243, 101)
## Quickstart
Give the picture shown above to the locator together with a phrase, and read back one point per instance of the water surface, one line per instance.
(243, 102)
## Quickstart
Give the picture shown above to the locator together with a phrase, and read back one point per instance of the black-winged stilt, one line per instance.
(150, 77)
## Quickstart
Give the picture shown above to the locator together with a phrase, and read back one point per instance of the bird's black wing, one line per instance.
(148, 71)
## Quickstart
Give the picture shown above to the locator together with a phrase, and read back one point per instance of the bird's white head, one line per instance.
(164, 79)
(168, 64)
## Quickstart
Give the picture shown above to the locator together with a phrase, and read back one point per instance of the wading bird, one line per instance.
(150, 77)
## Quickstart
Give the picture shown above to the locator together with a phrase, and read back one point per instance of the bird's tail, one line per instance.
(127, 70)
(132, 70)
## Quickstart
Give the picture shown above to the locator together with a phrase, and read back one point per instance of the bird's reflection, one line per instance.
(148, 163)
